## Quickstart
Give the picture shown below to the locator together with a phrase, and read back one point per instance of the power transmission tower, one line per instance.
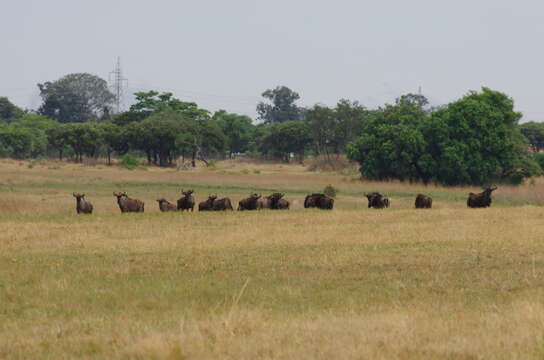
(118, 85)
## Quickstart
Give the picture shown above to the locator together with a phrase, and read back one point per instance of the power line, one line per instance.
(119, 83)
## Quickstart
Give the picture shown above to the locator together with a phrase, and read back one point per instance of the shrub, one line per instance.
(256, 171)
(330, 191)
(129, 162)
(245, 171)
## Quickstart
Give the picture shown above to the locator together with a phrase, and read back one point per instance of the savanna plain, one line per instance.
(352, 283)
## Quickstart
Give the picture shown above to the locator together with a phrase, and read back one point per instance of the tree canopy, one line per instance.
(8, 110)
(281, 106)
(77, 97)
(474, 140)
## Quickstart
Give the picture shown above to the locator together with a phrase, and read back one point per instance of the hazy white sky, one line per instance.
(224, 54)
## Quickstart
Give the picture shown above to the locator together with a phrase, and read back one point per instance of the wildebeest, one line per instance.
(264, 202)
(187, 201)
(320, 201)
(277, 202)
(250, 203)
(423, 202)
(377, 200)
(83, 206)
(165, 205)
(127, 204)
(207, 205)
(480, 200)
(222, 204)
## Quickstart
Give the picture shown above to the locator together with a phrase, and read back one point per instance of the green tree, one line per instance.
(237, 128)
(57, 137)
(474, 140)
(282, 106)
(286, 138)
(350, 117)
(77, 97)
(15, 142)
(83, 139)
(151, 102)
(392, 144)
(113, 139)
(534, 132)
(323, 125)
(36, 125)
(9, 111)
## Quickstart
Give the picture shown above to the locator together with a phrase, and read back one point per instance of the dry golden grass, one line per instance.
(354, 283)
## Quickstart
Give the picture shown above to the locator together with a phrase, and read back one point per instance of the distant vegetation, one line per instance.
(474, 140)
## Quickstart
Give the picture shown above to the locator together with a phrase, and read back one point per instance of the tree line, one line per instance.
(474, 140)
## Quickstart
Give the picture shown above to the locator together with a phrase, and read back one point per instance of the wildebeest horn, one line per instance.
(74, 194)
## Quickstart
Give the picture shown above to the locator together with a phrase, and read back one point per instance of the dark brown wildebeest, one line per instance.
(277, 202)
(127, 204)
(165, 205)
(423, 202)
(250, 203)
(222, 204)
(482, 199)
(187, 202)
(207, 205)
(320, 201)
(83, 206)
(377, 200)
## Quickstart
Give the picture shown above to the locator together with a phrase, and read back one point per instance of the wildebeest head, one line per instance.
(489, 190)
(187, 193)
(79, 196)
(212, 198)
(120, 195)
(162, 200)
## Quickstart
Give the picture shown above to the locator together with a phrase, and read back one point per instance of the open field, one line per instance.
(354, 283)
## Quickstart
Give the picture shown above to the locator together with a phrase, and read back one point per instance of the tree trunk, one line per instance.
(193, 159)
(60, 154)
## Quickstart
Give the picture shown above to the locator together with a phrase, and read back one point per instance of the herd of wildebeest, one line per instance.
(274, 201)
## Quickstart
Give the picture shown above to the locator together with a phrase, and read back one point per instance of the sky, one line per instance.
(224, 54)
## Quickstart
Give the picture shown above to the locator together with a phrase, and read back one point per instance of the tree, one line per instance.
(417, 100)
(77, 97)
(83, 139)
(350, 118)
(36, 125)
(151, 102)
(534, 132)
(322, 123)
(473, 140)
(477, 140)
(286, 138)
(333, 129)
(112, 139)
(393, 145)
(282, 107)
(57, 137)
(9, 111)
(237, 128)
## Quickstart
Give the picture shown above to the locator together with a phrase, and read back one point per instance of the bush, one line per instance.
(256, 171)
(539, 158)
(330, 191)
(129, 162)
(245, 171)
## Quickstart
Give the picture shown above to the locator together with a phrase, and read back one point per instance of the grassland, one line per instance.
(354, 283)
